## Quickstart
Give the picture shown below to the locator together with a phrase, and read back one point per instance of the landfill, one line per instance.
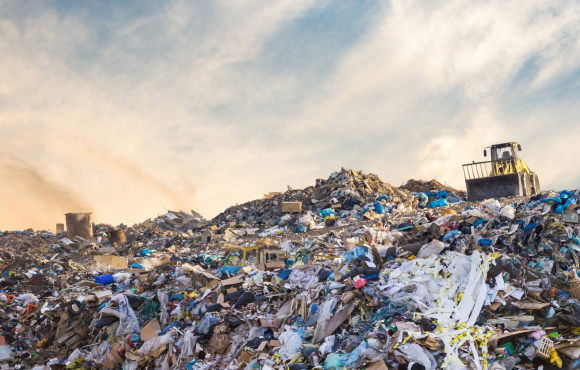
(350, 273)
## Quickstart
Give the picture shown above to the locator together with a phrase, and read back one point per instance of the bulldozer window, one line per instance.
(501, 153)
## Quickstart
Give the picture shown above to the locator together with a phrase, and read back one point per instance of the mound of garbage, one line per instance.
(349, 273)
(418, 186)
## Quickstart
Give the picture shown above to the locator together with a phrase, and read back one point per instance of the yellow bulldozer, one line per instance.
(506, 175)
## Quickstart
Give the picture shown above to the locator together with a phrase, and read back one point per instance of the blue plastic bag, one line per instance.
(438, 203)
(354, 355)
(450, 235)
(175, 324)
(556, 200)
(327, 212)
(559, 209)
(379, 208)
(565, 194)
(354, 253)
(484, 241)
(285, 274)
(104, 279)
(229, 269)
(442, 194)
(383, 197)
(569, 201)
(146, 252)
(423, 197)
(300, 229)
(176, 296)
(478, 222)
(137, 266)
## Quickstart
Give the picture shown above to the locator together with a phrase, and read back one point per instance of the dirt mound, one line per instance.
(427, 186)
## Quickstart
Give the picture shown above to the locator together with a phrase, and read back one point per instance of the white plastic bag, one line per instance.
(433, 248)
(508, 211)
(414, 353)
(128, 322)
(187, 345)
(291, 343)
(326, 347)
(156, 342)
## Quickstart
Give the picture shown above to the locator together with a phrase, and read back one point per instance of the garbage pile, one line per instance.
(424, 281)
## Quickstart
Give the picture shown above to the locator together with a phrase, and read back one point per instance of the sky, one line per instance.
(128, 109)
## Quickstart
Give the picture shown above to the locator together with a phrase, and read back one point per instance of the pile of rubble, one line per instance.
(353, 273)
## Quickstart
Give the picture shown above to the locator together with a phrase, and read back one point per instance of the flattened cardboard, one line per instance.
(113, 261)
(115, 352)
(519, 332)
(275, 343)
(158, 351)
(90, 284)
(110, 362)
(379, 365)
(148, 331)
(531, 306)
(471, 220)
(231, 290)
(270, 266)
(233, 280)
(212, 284)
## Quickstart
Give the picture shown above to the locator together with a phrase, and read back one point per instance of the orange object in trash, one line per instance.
(448, 211)
(29, 309)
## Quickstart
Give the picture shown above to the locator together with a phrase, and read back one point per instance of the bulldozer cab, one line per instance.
(503, 151)
(505, 175)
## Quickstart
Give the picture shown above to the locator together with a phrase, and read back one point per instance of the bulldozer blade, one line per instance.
(494, 187)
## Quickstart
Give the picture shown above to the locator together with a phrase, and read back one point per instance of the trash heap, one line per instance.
(400, 279)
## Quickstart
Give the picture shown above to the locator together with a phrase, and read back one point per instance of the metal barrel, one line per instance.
(79, 224)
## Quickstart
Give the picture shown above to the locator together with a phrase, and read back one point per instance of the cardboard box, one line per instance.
(113, 261)
(275, 343)
(269, 323)
(264, 347)
(246, 357)
(291, 207)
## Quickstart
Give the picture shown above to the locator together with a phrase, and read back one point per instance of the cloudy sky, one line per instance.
(129, 108)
